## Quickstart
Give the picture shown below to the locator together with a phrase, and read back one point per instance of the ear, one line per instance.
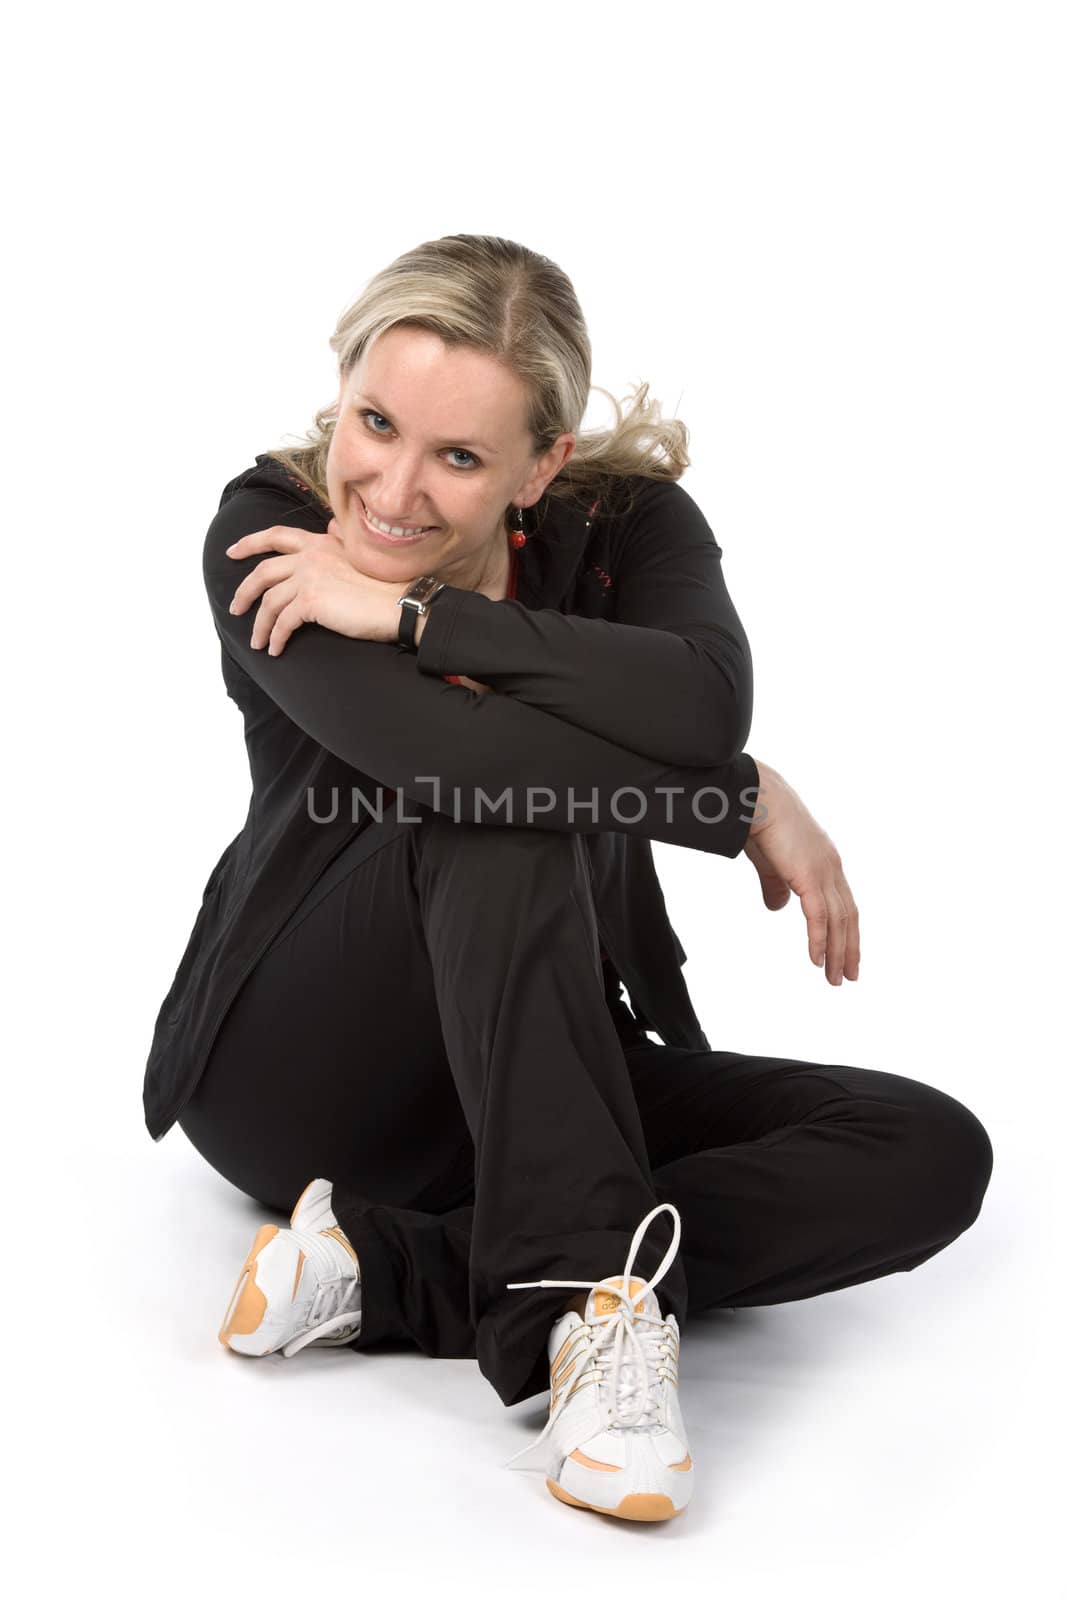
(555, 457)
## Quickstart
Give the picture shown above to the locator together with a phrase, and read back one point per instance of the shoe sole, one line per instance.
(633, 1507)
(248, 1303)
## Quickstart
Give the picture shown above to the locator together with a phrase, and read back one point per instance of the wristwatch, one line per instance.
(414, 603)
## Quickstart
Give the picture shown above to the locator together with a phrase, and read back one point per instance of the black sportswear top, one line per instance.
(623, 699)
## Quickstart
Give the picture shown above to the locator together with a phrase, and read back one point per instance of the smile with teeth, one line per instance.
(390, 529)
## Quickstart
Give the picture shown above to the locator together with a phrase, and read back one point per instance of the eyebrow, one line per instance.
(442, 444)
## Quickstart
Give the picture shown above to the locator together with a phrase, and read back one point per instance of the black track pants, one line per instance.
(430, 1032)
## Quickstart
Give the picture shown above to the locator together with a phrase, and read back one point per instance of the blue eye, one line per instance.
(456, 451)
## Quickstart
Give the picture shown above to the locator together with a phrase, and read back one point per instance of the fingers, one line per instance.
(793, 854)
(833, 929)
(278, 537)
(852, 932)
(272, 571)
(276, 618)
(816, 915)
(289, 619)
(837, 930)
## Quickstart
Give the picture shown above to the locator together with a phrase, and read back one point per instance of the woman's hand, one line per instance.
(792, 853)
(312, 581)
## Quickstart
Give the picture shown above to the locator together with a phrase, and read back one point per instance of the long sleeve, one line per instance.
(670, 677)
(451, 749)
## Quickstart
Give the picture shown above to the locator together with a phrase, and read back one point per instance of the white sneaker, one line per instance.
(297, 1284)
(615, 1440)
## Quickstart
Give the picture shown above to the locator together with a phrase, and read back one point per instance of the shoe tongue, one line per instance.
(602, 1302)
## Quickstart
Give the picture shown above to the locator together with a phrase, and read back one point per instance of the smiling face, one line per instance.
(432, 438)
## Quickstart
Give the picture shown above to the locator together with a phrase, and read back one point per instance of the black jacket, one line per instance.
(621, 672)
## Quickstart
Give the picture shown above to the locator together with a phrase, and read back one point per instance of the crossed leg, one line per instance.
(432, 1034)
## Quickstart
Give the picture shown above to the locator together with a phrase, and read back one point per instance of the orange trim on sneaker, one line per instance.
(587, 1461)
(336, 1233)
(560, 1382)
(248, 1303)
(566, 1349)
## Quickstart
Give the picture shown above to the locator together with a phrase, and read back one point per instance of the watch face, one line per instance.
(423, 588)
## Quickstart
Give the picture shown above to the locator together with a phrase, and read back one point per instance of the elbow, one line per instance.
(723, 739)
(720, 733)
(719, 729)
(703, 740)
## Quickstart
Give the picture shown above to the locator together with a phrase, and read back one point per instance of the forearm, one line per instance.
(662, 667)
(488, 758)
(673, 699)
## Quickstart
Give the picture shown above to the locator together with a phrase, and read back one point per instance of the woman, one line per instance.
(406, 972)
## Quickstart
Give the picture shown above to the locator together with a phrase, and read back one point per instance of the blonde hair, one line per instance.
(494, 295)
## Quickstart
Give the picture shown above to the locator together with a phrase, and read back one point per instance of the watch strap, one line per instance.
(414, 603)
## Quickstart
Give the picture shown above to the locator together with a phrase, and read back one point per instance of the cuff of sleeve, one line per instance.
(432, 654)
(743, 800)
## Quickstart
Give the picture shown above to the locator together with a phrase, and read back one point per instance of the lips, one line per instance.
(392, 538)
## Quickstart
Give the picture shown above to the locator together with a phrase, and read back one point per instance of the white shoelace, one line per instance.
(651, 1342)
(336, 1303)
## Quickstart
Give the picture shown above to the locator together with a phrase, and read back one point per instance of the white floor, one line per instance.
(826, 236)
(883, 1436)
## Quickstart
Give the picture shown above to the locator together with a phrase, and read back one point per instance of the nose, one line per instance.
(398, 497)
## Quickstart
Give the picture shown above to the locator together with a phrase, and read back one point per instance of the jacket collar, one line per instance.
(549, 560)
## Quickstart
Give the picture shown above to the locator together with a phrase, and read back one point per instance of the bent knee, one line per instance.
(951, 1155)
(934, 1158)
(967, 1149)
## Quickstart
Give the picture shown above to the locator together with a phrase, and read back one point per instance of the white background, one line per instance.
(831, 236)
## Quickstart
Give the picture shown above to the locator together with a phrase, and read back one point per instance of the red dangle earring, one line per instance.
(516, 536)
